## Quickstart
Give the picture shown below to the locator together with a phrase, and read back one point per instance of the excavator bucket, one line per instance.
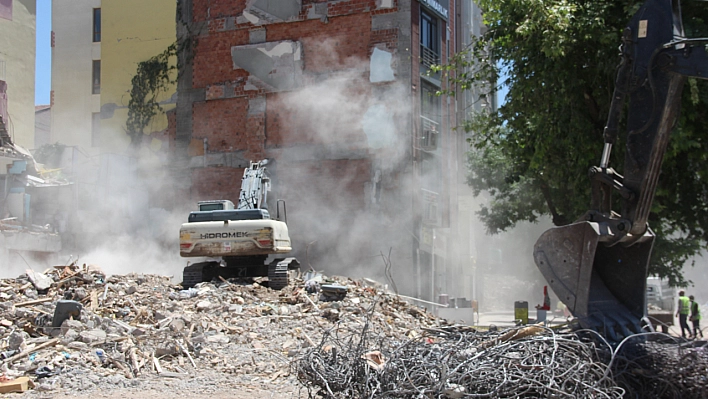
(603, 286)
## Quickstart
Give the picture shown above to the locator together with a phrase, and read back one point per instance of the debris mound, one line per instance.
(74, 329)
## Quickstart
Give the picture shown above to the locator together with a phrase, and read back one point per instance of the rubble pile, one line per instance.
(73, 328)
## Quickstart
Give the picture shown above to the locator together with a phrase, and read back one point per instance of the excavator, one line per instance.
(239, 238)
(598, 265)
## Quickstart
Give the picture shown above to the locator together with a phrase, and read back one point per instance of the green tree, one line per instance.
(533, 153)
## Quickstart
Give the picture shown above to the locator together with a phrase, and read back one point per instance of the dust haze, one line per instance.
(344, 170)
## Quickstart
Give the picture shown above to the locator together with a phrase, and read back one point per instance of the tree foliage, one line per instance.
(532, 154)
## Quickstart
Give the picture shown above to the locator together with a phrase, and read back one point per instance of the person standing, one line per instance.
(695, 317)
(682, 313)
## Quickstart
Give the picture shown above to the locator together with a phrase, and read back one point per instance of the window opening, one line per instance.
(96, 77)
(96, 24)
(429, 40)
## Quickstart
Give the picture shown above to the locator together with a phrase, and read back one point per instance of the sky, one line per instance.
(43, 64)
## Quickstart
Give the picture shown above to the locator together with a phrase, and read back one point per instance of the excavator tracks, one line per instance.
(278, 272)
(197, 273)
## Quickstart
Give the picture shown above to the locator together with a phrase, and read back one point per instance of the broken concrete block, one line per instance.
(92, 336)
(218, 339)
(203, 305)
(177, 325)
(40, 281)
(15, 340)
(69, 336)
(77, 345)
(166, 349)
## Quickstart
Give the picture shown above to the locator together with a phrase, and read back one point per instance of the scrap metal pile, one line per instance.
(72, 328)
(522, 362)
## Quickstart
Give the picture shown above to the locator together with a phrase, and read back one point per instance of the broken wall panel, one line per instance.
(276, 64)
(268, 11)
(330, 46)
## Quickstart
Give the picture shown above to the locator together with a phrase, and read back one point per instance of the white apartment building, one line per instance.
(17, 59)
(76, 72)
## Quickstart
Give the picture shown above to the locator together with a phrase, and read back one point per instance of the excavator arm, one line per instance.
(255, 185)
(598, 265)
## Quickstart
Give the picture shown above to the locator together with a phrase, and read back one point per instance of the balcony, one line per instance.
(428, 58)
(429, 136)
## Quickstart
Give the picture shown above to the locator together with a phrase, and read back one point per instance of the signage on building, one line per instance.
(440, 7)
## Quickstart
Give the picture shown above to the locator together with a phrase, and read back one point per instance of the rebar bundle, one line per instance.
(521, 362)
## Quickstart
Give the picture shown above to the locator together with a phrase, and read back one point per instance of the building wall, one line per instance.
(133, 31)
(42, 123)
(17, 59)
(323, 90)
(73, 52)
(330, 90)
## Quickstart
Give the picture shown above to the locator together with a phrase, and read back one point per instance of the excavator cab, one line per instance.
(598, 265)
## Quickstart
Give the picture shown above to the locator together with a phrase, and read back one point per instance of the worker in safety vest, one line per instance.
(695, 317)
(682, 313)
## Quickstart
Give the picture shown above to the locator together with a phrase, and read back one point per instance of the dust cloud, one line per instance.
(343, 173)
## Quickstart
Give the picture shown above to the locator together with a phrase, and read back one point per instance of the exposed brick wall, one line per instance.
(216, 183)
(336, 8)
(389, 37)
(212, 59)
(211, 9)
(328, 46)
(224, 123)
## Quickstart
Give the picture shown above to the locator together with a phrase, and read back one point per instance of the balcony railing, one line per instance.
(430, 130)
(428, 58)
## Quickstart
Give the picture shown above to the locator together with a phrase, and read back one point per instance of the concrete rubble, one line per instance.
(72, 328)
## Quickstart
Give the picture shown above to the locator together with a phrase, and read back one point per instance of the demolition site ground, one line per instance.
(138, 336)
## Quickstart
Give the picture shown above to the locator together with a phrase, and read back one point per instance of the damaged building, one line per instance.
(31, 219)
(340, 97)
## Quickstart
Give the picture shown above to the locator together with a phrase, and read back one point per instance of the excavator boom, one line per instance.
(598, 265)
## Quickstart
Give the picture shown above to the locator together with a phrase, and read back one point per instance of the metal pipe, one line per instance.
(423, 301)
(605, 160)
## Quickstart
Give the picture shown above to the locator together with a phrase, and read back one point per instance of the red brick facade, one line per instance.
(323, 155)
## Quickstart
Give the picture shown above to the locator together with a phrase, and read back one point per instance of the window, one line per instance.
(96, 77)
(96, 24)
(95, 129)
(6, 9)
(429, 117)
(429, 40)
